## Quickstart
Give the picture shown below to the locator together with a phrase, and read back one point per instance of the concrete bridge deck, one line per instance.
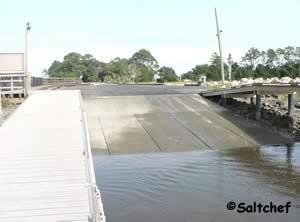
(253, 89)
(45, 168)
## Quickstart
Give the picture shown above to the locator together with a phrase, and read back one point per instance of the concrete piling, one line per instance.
(291, 104)
(252, 100)
(223, 100)
(258, 107)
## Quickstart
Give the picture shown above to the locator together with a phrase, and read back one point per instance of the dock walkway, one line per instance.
(46, 171)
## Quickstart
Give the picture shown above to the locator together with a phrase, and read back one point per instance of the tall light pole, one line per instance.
(220, 46)
(26, 77)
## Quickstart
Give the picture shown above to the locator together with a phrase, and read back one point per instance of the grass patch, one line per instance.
(284, 98)
(8, 103)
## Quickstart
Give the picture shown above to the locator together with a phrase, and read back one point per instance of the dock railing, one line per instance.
(39, 81)
(96, 205)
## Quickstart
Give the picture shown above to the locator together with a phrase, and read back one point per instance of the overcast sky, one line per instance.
(179, 33)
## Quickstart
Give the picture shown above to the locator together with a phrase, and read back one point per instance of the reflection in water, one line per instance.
(195, 186)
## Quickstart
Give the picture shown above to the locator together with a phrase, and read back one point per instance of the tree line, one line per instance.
(140, 67)
(254, 64)
(143, 67)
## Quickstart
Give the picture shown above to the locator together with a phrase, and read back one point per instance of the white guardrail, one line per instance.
(96, 205)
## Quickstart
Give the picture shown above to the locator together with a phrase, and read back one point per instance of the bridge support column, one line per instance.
(223, 100)
(251, 100)
(258, 107)
(291, 104)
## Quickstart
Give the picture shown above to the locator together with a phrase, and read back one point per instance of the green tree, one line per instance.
(271, 57)
(72, 65)
(188, 75)
(144, 57)
(89, 72)
(167, 74)
(289, 56)
(55, 69)
(280, 56)
(102, 70)
(144, 74)
(214, 71)
(251, 58)
(146, 65)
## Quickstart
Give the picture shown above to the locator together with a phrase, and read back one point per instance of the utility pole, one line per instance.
(26, 77)
(298, 54)
(220, 46)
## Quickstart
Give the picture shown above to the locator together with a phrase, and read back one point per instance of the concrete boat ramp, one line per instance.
(46, 169)
(169, 123)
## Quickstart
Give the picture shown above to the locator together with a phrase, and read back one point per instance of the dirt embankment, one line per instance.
(274, 114)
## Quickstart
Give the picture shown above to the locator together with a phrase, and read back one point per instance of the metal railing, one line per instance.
(39, 81)
(96, 205)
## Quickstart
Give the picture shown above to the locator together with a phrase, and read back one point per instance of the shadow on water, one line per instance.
(195, 186)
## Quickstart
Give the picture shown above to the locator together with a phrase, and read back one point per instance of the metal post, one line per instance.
(220, 46)
(258, 107)
(26, 77)
(291, 104)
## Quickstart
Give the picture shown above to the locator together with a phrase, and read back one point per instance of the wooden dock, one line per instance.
(257, 90)
(46, 170)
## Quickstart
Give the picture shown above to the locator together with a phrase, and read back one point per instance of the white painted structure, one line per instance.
(11, 62)
(46, 169)
(12, 74)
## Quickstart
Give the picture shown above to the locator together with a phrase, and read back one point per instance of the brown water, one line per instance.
(195, 186)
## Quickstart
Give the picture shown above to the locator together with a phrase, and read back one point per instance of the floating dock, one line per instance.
(46, 168)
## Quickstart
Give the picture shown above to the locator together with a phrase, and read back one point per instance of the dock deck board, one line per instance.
(43, 170)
